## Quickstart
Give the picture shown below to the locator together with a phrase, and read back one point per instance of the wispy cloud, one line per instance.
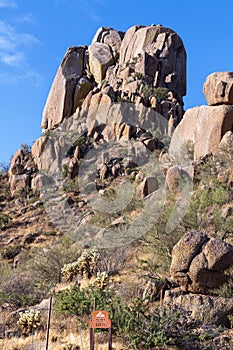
(8, 3)
(12, 43)
(15, 45)
(26, 18)
(12, 59)
(89, 10)
(10, 78)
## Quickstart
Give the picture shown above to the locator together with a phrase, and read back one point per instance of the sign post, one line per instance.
(100, 319)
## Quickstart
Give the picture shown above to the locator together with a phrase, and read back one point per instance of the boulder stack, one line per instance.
(205, 126)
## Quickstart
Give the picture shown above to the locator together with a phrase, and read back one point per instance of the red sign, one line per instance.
(100, 319)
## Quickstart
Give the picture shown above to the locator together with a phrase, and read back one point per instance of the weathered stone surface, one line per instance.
(17, 163)
(205, 308)
(164, 52)
(185, 250)
(37, 149)
(38, 181)
(218, 88)
(198, 263)
(227, 140)
(219, 255)
(67, 85)
(100, 58)
(204, 126)
(110, 37)
(18, 182)
(173, 177)
(148, 186)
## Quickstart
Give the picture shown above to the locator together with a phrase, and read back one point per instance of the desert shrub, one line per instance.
(159, 92)
(5, 270)
(134, 322)
(4, 167)
(112, 261)
(11, 252)
(19, 291)
(45, 264)
(155, 329)
(4, 220)
(226, 290)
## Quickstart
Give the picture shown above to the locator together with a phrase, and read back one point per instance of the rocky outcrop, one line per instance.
(204, 127)
(100, 58)
(158, 53)
(205, 308)
(70, 86)
(148, 186)
(145, 65)
(198, 262)
(22, 169)
(218, 88)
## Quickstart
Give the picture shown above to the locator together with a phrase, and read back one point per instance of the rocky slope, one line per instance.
(119, 163)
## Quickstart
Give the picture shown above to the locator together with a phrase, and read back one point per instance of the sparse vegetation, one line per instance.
(29, 320)
(160, 93)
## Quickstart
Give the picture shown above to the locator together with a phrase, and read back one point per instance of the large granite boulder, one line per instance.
(204, 126)
(100, 58)
(198, 262)
(70, 86)
(111, 37)
(158, 52)
(19, 182)
(218, 88)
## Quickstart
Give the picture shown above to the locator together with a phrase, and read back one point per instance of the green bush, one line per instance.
(11, 252)
(4, 220)
(141, 328)
(226, 290)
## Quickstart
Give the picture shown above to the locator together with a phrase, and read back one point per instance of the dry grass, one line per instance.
(60, 341)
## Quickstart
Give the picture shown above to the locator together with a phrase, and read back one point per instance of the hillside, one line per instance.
(125, 199)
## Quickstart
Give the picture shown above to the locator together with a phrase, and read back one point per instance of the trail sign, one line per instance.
(100, 319)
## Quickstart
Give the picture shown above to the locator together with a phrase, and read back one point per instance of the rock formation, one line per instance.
(198, 262)
(205, 126)
(117, 67)
(218, 88)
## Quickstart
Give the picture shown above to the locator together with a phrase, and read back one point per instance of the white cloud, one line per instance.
(8, 3)
(31, 76)
(88, 9)
(12, 43)
(12, 59)
(26, 18)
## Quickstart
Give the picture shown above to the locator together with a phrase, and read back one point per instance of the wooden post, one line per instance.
(48, 322)
(92, 345)
(92, 334)
(161, 298)
(110, 339)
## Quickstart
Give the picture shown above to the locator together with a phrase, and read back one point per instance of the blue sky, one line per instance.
(35, 34)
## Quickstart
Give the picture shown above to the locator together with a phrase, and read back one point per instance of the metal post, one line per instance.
(48, 322)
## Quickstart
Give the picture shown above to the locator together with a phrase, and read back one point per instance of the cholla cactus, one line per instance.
(86, 265)
(101, 280)
(69, 271)
(28, 320)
